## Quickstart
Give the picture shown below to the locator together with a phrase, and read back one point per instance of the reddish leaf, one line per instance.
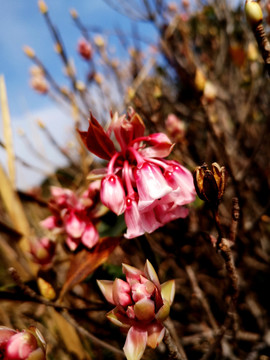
(85, 262)
(97, 141)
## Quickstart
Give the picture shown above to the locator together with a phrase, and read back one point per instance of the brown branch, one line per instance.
(172, 348)
(172, 341)
(200, 295)
(263, 44)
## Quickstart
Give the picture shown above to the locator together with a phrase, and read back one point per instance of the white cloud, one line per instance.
(33, 146)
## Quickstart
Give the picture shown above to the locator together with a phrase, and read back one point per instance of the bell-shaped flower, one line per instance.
(90, 236)
(139, 222)
(74, 225)
(142, 304)
(181, 181)
(112, 193)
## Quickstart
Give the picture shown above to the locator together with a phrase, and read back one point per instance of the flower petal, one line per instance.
(164, 311)
(132, 274)
(121, 293)
(161, 148)
(118, 318)
(112, 193)
(97, 141)
(145, 309)
(49, 223)
(74, 225)
(151, 185)
(156, 332)
(72, 243)
(168, 291)
(90, 236)
(135, 343)
(151, 273)
(106, 287)
(133, 219)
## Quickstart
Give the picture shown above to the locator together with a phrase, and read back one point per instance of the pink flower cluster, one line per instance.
(142, 304)
(74, 216)
(138, 182)
(25, 345)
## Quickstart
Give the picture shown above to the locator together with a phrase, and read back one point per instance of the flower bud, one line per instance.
(142, 304)
(43, 251)
(42, 7)
(46, 289)
(29, 51)
(209, 91)
(85, 49)
(74, 13)
(39, 84)
(210, 184)
(199, 80)
(99, 41)
(253, 13)
(25, 345)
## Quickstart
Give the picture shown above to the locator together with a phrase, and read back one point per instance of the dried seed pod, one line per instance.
(210, 184)
(219, 173)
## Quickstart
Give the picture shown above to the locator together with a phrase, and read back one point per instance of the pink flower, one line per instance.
(24, 345)
(74, 216)
(142, 304)
(138, 181)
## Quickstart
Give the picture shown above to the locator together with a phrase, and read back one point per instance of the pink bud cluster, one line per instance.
(25, 345)
(142, 304)
(85, 49)
(74, 216)
(175, 128)
(148, 189)
(43, 251)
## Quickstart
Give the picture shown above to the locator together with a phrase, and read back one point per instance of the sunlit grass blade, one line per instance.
(7, 130)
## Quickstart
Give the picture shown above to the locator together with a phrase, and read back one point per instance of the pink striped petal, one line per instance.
(135, 343)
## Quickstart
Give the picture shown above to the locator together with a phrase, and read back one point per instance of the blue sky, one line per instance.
(22, 24)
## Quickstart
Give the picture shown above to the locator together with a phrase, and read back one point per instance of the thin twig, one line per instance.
(200, 295)
(174, 340)
(172, 348)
